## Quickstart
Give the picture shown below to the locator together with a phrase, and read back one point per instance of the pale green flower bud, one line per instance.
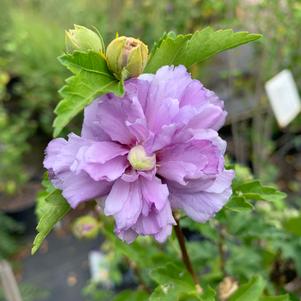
(82, 38)
(86, 227)
(4, 79)
(140, 160)
(126, 57)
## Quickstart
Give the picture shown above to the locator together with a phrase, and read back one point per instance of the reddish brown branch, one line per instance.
(185, 257)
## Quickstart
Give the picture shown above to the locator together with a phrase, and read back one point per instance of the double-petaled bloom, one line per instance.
(147, 153)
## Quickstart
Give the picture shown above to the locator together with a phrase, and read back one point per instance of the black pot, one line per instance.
(26, 217)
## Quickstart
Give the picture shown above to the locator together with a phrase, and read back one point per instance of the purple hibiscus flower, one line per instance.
(153, 150)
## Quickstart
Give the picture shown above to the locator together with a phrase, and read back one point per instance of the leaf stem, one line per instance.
(221, 249)
(185, 256)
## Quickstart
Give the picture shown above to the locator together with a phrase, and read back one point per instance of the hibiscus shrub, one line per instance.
(149, 155)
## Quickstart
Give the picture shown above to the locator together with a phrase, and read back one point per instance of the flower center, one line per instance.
(139, 159)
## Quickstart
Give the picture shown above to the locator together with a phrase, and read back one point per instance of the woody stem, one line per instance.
(185, 256)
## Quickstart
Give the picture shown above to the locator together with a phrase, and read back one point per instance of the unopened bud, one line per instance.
(82, 38)
(4, 79)
(126, 57)
(86, 227)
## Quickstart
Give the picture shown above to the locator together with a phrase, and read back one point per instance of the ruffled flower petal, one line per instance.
(76, 186)
(167, 118)
(154, 192)
(201, 205)
(156, 223)
(91, 126)
(102, 160)
(79, 188)
(125, 201)
(191, 160)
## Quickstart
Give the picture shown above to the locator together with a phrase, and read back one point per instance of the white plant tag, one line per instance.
(99, 268)
(283, 96)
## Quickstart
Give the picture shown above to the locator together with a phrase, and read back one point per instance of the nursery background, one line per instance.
(254, 243)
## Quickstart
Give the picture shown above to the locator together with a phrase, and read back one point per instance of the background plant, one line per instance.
(32, 34)
(254, 236)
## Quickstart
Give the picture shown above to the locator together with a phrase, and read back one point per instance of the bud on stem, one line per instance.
(82, 38)
(127, 57)
(86, 227)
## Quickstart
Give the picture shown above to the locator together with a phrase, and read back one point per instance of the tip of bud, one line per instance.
(126, 57)
(82, 38)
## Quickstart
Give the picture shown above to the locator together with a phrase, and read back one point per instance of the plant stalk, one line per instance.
(185, 256)
(221, 250)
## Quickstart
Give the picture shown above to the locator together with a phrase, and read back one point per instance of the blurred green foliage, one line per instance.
(249, 237)
(14, 131)
(9, 244)
(258, 248)
(32, 37)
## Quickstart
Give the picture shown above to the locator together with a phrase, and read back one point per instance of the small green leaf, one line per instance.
(275, 298)
(175, 284)
(171, 291)
(250, 291)
(254, 190)
(131, 296)
(55, 208)
(190, 49)
(92, 78)
(169, 272)
(165, 292)
(293, 225)
(239, 203)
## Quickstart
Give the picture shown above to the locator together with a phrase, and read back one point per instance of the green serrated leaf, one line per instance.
(238, 204)
(48, 188)
(170, 272)
(55, 208)
(250, 291)
(254, 190)
(157, 44)
(89, 61)
(175, 284)
(207, 42)
(166, 52)
(92, 78)
(190, 49)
